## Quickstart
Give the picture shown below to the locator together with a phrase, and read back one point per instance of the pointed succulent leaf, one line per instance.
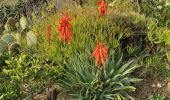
(130, 70)
(124, 67)
(125, 88)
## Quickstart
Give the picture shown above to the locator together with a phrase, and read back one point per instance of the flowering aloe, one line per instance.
(102, 7)
(100, 53)
(65, 28)
(49, 33)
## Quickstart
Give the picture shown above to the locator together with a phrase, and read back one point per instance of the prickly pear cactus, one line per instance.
(31, 38)
(10, 25)
(8, 38)
(23, 22)
(3, 47)
(14, 48)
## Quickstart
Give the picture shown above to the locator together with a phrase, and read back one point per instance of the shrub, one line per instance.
(84, 81)
(23, 75)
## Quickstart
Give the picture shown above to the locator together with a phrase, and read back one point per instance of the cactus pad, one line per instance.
(23, 22)
(31, 38)
(8, 39)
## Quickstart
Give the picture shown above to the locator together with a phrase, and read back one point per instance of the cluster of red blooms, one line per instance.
(65, 28)
(100, 52)
(102, 7)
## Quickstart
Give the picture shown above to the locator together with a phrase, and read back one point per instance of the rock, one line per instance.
(159, 85)
(153, 85)
(168, 87)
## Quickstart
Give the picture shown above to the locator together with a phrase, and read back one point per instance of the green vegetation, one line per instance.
(83, 80)
(137, 42)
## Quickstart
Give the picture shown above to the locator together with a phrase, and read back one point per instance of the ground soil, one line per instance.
(147, 88)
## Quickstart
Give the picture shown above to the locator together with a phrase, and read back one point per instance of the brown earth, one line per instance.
(147, 88)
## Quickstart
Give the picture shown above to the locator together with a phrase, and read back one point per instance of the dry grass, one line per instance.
(7, 2)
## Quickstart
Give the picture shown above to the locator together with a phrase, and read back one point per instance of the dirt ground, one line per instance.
(147, 88)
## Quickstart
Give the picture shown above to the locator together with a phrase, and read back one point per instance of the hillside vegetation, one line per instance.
(80, 52)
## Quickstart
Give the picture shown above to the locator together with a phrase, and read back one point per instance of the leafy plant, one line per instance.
(23, 75)
(158, 9)
(84, 81)
(157, 97)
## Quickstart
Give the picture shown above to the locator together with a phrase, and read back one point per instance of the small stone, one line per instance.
(168, 87)
(159, 85)
(153, 85)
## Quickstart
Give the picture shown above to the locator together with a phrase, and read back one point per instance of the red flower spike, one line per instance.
(100, 53)
(49, 33)
(69, 2)
(65, 28)
(102, 7)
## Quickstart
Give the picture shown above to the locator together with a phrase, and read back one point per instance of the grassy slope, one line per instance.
(85, 23)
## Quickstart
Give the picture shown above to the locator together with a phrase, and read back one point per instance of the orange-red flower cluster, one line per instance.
(102, 7)
(49, 33)
(100, 53)
(69, 2)
(65, 28)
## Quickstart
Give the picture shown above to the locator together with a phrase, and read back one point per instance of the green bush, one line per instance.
(25, 74)
(157, 97)
(84, 81)
(158, 9)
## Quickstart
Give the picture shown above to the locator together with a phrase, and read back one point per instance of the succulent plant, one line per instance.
(23, 22)
(84, 80)
(9, 44)
(3, 47)
(31, 38)
(10, 25)
(8, 39)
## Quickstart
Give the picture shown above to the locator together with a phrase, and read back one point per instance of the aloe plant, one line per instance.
(84, 81)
